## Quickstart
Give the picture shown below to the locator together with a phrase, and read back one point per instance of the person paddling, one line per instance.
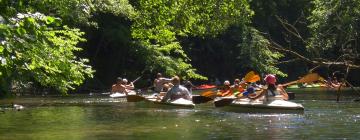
(272, 92)
(122, 86)
(188, 85)
(159, 82)
(177, 91)
(237, 88)
(226, 91)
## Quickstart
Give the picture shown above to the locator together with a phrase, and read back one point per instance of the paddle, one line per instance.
(134, 98)
(138, 98)
(311, 77)
(224, 101)
(198, 99)
(251, 77)
(136, 79)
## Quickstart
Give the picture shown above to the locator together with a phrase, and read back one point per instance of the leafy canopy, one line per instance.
(335, 28)
(39, 48)
(160, 23)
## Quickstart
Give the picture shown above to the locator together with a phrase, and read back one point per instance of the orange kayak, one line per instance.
(205, 86)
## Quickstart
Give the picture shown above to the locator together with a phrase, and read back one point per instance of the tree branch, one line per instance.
(290, 28)
(288, 61)
(319, 61)
(322, 62)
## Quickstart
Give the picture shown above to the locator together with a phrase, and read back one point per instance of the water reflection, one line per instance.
(106, 118)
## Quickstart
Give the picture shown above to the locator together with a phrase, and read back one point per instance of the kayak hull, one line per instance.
(121, 95)
(179, 103)
(118, 95)
(260, 106)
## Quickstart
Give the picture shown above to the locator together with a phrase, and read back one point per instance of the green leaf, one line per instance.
(21, 31)
(49, 19)
(1, 48)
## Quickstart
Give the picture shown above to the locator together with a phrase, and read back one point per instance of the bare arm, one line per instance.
(130, 86)
(164, 80)
(112, 89)
(262, 93)
(282, 91)
(167, 96)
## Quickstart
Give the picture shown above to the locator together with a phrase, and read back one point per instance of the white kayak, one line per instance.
(274, 105)
(181, 102)
(121, 95)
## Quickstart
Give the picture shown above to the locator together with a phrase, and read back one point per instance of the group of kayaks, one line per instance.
(219, 102)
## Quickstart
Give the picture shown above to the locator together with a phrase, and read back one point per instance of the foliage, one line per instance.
(72, 12)
(35, 46)
(335, 28)
(159, 24)
(255, 50)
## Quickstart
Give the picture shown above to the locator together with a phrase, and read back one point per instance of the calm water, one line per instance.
(99, 117)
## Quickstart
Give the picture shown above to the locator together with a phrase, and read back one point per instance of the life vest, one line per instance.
(237, 90)
(225, 92)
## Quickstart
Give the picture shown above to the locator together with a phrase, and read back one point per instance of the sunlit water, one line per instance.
(100, 117)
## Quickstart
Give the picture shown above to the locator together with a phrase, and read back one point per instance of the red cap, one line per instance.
(270, 79)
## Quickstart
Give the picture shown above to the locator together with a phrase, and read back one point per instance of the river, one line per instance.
(87, 117)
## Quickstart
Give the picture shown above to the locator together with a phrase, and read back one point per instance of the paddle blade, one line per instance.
(251, 77)
(200, 99)
(208, 93)
(223, 102)
(134, 98)
(311, 77)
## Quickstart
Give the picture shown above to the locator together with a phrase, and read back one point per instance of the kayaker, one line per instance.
(122, 86)
(159, 82)
(237, 87)
(272, 92)
(177, 91)
(116, 87)
(226, 91)
(166, 88)
(332, 82)
(189, 85)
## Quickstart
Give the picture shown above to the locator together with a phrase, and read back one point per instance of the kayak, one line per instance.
(121, 95)
(181, 102)
(273, 105)
(307, 86)
(118, 95)
(202, 87)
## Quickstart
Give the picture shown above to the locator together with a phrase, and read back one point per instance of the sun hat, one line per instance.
(125, 80)
(227, 83)
(270, 79)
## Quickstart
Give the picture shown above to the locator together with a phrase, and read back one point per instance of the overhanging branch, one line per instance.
(278, 47)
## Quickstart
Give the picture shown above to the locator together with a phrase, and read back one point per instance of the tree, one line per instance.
(161, 24)
(38, 48)
(335, 28)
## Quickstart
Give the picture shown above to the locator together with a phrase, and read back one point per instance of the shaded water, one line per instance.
(99, 117)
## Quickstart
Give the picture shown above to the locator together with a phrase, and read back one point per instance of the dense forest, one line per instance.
(83, 45)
